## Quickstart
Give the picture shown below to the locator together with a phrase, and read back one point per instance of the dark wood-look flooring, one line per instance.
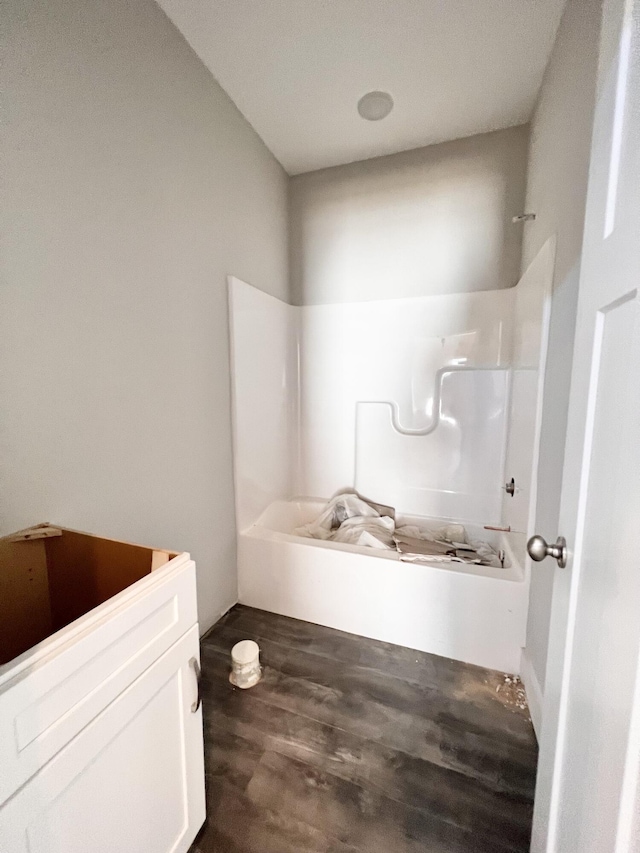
(350, 745)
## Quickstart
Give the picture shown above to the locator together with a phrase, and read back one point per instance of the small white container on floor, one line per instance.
(245, 664)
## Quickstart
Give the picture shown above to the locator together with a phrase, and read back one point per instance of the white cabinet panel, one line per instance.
(132, 780)
(56, 695)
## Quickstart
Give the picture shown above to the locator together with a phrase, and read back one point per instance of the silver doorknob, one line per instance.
(538, 550)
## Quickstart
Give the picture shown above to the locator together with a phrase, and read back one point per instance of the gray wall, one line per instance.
(556, 191)
(434, 220)
(131, 187)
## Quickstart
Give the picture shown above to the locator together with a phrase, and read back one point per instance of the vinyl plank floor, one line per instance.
(350, 745)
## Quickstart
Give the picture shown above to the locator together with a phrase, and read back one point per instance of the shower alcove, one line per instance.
(428, 404)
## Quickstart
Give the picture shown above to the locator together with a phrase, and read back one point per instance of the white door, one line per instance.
(130, 782)
(588, 798)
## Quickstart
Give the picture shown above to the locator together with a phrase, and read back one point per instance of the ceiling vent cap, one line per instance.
(375, 105)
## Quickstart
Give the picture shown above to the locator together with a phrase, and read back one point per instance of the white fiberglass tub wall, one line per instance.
(264, 391)
(407, 401)
(302, 378)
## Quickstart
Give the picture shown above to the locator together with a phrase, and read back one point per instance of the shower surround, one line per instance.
(430, 405)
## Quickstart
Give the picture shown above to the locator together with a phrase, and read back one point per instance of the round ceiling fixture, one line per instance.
(375, 105)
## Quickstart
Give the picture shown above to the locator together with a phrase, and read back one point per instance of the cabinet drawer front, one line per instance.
(132, 780)
(45, 706)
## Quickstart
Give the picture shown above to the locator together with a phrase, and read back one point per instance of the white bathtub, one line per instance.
(470, 613)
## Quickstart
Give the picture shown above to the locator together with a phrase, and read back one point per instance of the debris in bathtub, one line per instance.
(351, 519)
(418, 547)
(418, 544)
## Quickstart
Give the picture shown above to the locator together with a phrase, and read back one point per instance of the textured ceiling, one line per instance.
(296, 68)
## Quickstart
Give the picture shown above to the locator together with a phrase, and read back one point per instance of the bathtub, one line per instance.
(470, 613)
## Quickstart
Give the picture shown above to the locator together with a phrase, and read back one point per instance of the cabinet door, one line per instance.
(132, 780)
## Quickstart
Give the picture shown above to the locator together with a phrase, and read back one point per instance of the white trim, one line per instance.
(533, 690)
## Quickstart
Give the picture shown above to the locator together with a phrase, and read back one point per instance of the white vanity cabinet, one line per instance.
(101, 743)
